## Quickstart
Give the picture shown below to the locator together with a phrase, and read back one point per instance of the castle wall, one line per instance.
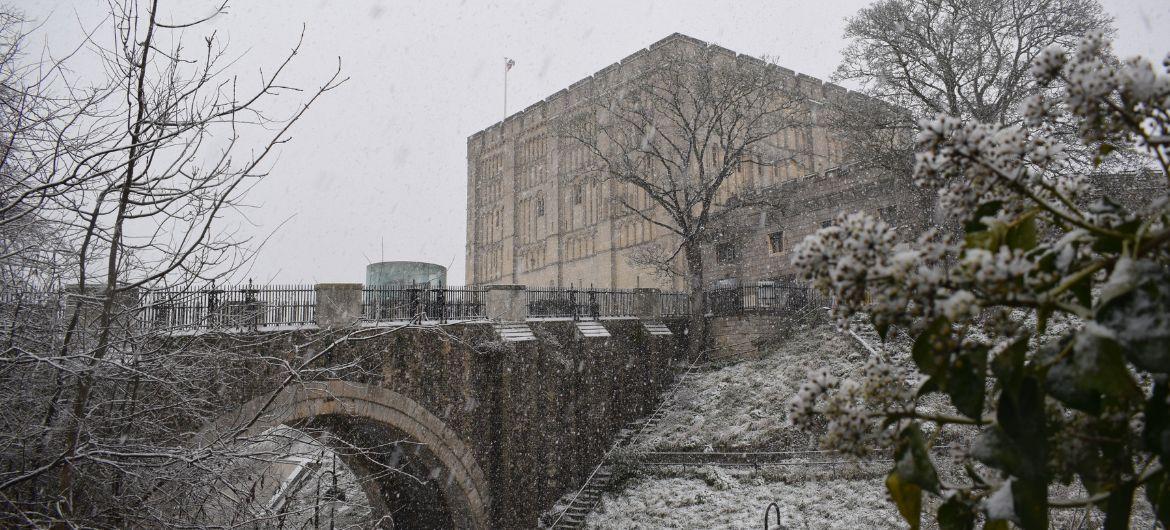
(534, 218)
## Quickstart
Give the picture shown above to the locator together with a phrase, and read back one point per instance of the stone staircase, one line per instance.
(587, 498)
(513, 331)
(590, 494)
(591, 329)
(657, 328)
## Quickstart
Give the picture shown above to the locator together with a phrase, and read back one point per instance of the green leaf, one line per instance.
(928, 385)
(987, 209)
(1158, 493)
(1018, 444)
(1093, 376)
(956, 515)
(1118, 507)
(965, 384)
(1021, 418)
(996, 525)
(907, 497)
(929, 350)
(1008, 365)
(1021, 233)
(1030, 500)
(1156, 435)
(1135, 306)
(912, 461)
(996, 449)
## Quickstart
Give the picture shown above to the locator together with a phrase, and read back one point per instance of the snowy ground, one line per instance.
(742, 406)
(841, 496)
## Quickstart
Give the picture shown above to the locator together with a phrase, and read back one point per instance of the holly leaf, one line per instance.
(907, 497)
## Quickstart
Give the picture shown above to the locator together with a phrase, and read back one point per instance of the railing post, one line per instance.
(573, 301)
(594, 309)
(212, 306)
(338, 304)
(505, 303)
(647, 304)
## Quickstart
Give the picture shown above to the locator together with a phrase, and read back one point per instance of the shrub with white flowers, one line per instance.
(1082, 403)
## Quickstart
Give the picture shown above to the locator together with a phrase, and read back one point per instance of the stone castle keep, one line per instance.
(534, 216)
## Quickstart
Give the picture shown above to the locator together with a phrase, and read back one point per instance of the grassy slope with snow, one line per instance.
(742, 406)
(842, 496)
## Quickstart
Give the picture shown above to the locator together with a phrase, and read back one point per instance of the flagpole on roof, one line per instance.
(508, 64)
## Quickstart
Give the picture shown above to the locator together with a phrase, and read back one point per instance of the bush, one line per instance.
(1083, 402)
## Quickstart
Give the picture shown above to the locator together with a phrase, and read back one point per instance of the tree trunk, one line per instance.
(697, 327)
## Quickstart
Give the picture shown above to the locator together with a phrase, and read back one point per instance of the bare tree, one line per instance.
(108, 187)
(963, 58)
(673, 132)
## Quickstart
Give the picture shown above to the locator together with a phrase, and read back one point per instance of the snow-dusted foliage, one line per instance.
(1088, 405)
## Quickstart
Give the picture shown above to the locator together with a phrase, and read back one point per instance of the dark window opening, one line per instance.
(776, 242)
(726, 252)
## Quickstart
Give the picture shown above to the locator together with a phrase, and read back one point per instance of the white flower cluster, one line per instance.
(802, 406)
(1094, 85)
(997, 273)
(843, 256)
(852, 407)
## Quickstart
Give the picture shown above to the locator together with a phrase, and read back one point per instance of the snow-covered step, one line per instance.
(657, 328)
(514, 332)
(592, 330)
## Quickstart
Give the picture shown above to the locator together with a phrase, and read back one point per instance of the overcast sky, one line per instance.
(381, 162)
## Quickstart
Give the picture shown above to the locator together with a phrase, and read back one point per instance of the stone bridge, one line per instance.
(492, 422)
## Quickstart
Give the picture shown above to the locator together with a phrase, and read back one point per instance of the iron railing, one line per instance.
(763, 297)
(252, 306)
(580, 304)
(422, 303)
(243, 306)
(674, 304)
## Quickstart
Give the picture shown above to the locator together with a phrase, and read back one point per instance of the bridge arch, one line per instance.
(461, 481)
